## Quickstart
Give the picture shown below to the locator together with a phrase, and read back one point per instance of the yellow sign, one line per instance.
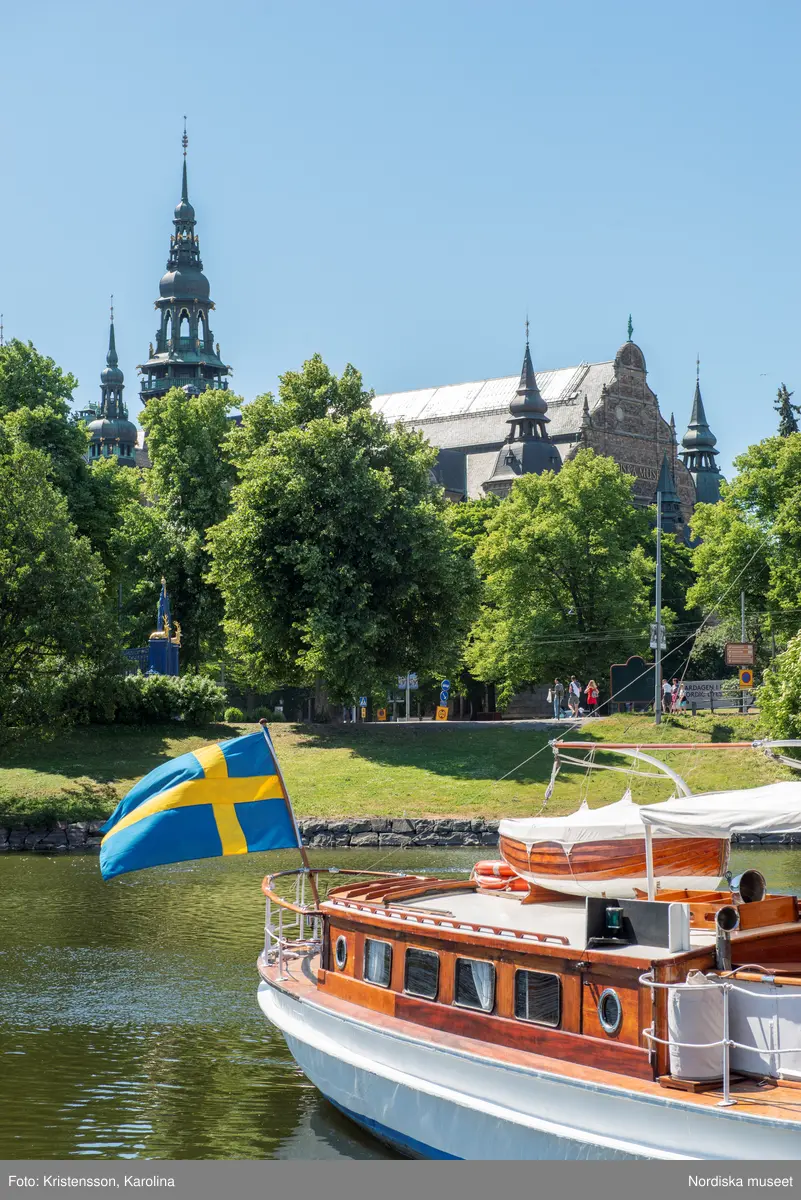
(746, 677)
(363, 712)
(381, 714)
(442, 712)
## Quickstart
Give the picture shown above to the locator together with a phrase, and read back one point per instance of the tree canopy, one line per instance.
(788, 412)
(335, 562)
(566, 579)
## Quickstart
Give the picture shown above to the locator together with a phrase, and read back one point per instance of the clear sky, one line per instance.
(395, 184)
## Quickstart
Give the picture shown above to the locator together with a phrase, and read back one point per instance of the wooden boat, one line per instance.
(458, 1022)
(601, 852)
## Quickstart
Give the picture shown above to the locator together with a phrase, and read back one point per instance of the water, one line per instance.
(128, 1018)
(129, 1026)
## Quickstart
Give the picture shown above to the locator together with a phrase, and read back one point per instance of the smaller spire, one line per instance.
(184, 186)
(2, 343)
(111, 357)
(698, 367)
(526, 328)
(630, 329)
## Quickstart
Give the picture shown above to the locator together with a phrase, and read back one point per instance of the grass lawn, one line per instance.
(416, 770)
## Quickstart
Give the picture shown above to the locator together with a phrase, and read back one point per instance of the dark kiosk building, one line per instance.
(185, 355)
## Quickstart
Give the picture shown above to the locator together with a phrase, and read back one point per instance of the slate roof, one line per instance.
(464, 415)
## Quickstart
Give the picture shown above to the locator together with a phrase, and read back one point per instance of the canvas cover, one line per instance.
(612, 822)
(774, 808)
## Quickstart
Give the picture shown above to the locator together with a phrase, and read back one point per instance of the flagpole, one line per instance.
(304, 856)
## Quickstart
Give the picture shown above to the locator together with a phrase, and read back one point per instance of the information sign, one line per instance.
(362, 702)
(653, 637)
(739, 654)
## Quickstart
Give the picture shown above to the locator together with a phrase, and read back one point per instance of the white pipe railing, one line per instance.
(726, 1042)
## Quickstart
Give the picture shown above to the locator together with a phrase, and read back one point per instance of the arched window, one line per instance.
(183, 328)
(168, 326)
(201, 328)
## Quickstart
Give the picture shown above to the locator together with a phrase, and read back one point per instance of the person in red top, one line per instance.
(591, 692)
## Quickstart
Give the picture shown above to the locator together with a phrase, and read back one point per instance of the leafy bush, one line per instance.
(275, 717)
(201, 699)
(779, 698)
(232, 715)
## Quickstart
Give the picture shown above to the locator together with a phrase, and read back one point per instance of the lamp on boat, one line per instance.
(614, 921)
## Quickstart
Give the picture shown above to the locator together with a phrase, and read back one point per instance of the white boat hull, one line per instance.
(623, 888)
(433, 1101)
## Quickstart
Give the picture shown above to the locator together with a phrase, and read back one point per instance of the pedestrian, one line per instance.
(591, 692)
(574, 697)
(674, 695)
(667, 691)
(683, 701)
(556, 695)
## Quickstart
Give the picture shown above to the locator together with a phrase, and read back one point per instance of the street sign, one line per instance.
(381, 714)
(739, 654)
(446, 685)
(364, 712)
(412, 681)
(746, 678)
(653, 637)
(402, 682)
(442, 712)
(362, 702)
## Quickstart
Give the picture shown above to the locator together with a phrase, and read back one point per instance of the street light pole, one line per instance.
(658, 606)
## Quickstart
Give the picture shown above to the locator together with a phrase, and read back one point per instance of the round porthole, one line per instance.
(610, 1011)
(341, 953)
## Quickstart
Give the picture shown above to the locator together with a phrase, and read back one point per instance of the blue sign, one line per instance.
(446, 685)
(443, 698)
(362, 702)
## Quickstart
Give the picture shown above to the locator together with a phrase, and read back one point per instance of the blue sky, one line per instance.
(394, 185)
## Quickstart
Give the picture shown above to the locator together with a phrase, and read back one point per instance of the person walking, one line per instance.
(674, 695)
(574, 698)
(667, 692)
(591, 692)
(557, 695)
(683, 701)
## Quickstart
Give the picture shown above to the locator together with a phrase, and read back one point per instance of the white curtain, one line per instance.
(377, 962)
(483, 979)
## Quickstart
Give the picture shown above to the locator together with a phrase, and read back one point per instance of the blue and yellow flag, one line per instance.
(222, 799)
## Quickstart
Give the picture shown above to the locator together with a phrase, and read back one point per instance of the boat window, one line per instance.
(341, 952)
(421, 973)
(538, 997)
(610, 1011)
(377, 962)
(474, 986)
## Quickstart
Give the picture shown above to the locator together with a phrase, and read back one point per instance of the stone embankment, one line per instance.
(59, 837)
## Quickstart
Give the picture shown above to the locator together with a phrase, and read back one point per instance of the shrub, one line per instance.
(265, 712)
(232, 715)
(779, 698)
(275, 717)
(201, 699)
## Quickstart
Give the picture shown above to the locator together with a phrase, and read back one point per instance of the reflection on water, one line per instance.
(128, 1018)
(129, 1025)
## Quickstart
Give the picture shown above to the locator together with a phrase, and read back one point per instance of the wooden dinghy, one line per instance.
(601, 852)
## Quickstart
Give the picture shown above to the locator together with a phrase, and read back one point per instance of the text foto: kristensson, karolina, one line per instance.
(91, 1181)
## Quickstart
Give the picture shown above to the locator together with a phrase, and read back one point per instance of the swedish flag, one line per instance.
(223, 799)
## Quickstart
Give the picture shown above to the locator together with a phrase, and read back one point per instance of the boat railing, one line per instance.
(293, 927)
(726, 1043)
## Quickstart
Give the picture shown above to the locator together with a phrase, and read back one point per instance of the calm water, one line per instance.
(129, 1025)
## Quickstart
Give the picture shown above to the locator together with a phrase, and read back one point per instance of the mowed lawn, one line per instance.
(416, 770)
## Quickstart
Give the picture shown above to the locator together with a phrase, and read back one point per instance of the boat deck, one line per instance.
(565, 918)
(771, 1100)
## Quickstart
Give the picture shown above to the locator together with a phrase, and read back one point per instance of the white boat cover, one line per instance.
(610, 823)
(774, 808)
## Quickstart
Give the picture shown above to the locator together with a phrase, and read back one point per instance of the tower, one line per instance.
(671, 505)
(185, 355)
(698, 450)
(528, 450)
(112, 433)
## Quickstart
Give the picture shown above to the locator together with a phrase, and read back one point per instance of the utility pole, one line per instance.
(742, 639)
(658, 606)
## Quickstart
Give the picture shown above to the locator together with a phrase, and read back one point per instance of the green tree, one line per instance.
(567, 580)
(186, 491)
(35, 399)
(468, 522)
(787, 412)
(52, 615)
(335, 562)
(751, 539)
(779, 698)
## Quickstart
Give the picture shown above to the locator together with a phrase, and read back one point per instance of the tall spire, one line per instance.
(112, 434)
(698, 448)
(184, 355)
(528, 448)
(671, 505)
(630, 329)
(111, 357)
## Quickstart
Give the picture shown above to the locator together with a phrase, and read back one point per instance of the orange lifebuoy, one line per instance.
(496, 867)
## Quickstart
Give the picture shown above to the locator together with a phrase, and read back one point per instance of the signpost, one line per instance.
(442, 710)
(746, 678)
(381, 714)
(739, 654)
